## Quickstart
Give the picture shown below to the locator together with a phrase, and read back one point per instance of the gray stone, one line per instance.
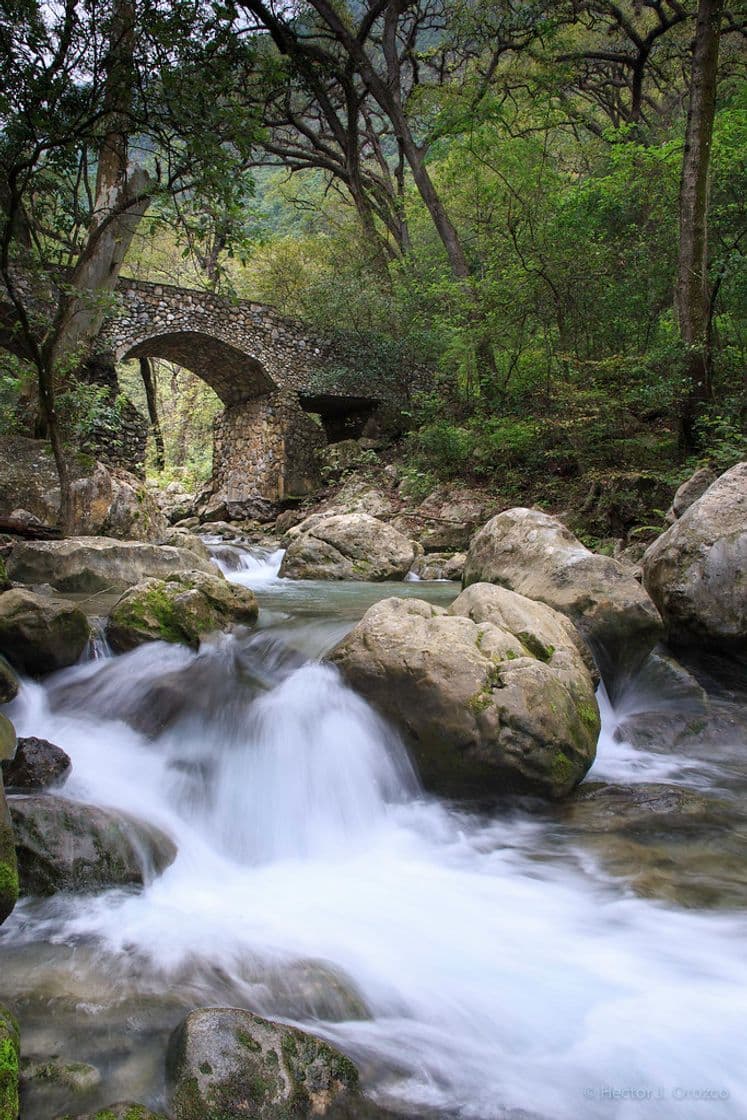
(696, 572)
(37, 764)
(535, 555)
(228, 1062)
(98, 563)
(440, 565)
(64, 845)
(78, 1077)
(493, 694)
(347, 546)
(39, 634)
(690, 490)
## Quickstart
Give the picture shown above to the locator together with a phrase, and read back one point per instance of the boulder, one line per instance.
(76, 1077)
(440, 565)
(347, 546)
(39, 634)
(37, 765)
(182, 608)
(5, 584)
(447, 518)
(493, 695)
(104, 500)
(224, 1062)
(9, 683)
(535, 555)
(696, 572)
(98, 563)
(690, 490)
(182, 538)
(64, 845)
(8, 871)
(8, 742)
(10, 1051)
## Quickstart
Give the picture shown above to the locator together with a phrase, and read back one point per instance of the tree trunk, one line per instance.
(146, 372)
(691, 295)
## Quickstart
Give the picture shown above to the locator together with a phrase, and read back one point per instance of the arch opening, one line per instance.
(233, 374)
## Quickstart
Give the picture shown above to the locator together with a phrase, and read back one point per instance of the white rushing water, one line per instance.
(497, 974)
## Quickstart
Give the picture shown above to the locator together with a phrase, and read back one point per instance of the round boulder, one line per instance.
(228, 1062)
(183, 608)
(534, 554)
(696, 572)
(37, 765)
(350, 546)
(64, 845)
(493, 694)
(40, 634)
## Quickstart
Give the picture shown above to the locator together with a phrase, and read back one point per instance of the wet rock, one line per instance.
(696, 572)
(9, 683)
(77, 1077)
(67, 846)
(38, 764)
(689, 492)
(492, 694)
(10, 1046)
(534, 554)
(348, 546)
(8, 868)
(310, 990)
(98, 563)
(227, 1062)
(440, 565)
(40, 634)
(182, 608)
(600, 807)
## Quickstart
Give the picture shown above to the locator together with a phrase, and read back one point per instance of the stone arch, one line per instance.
(232, 373)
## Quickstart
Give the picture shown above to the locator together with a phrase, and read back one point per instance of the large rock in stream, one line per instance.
(8, 863)
(37, 764)
(347, 546)
(38, 633)
(535, 555)
(64, 845)
(224, 1062)
(88, 564)
(494, 695)
(696, 572)
(183, 608)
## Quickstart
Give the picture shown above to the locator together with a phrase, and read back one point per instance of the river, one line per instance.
(475, 964)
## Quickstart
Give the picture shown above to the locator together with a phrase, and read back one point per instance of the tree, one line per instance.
(108, 106)
(691, 295)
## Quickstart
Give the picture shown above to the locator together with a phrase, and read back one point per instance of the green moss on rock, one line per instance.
(10, 1047)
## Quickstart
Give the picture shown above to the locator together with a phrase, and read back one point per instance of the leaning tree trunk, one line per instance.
(149, 383)
(691, 296)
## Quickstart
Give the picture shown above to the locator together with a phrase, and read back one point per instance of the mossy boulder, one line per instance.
(64, 845)
(40, 634)
(182, 608)
(225, 1062)
(10, 1048)
(8, 741)
(494, 695)
(9, 683)
(8, 863)
(37, 764)
(4, 581)
(536, 555)
(349, 546)
(76, 1077)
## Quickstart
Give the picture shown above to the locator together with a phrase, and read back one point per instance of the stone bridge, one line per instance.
(268, 371)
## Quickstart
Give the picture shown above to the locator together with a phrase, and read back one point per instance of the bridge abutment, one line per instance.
(265, 446)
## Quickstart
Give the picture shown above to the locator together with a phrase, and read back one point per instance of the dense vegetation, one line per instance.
(493, 190)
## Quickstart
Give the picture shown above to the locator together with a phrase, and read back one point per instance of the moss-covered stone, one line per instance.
(183, 609)
(8, 864)
(10, 1048)
(225, 1063)
(124, 1110)
(9, 683)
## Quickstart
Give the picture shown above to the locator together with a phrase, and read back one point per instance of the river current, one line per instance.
(475, 964)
